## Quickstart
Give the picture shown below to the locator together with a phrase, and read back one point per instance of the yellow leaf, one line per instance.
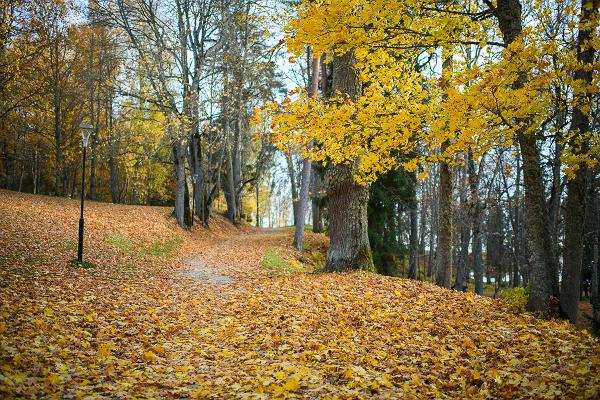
(149, 356)
(291, 384)
(104, 350)
(280, 375)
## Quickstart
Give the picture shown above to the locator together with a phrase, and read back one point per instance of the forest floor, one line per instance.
(236, 313)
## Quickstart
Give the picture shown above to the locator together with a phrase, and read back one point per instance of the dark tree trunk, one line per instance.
(540, 282)
(180, 190)
(444, 270)
(541, 265)
(317, 197)
(94, 142)
(348, 231)
(475, 209)
(198, 180)
(229, 188)
(593, 238)
(112, 148)
(577, 186)
(444, 265)
(413, 261)
(57, 151)
(465, 237)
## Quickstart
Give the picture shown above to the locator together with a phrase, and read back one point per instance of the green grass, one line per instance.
(71, 245)
(307, 227)
(21, 263)
(84, 264)
(274, 263)
(159, 248)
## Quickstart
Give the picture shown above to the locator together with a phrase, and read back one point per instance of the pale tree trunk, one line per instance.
(577, 187)
(318, 199)
(348, 231)
(444, 270)
(508, 13)
(313, 91)
(302, 204)
(294, 185)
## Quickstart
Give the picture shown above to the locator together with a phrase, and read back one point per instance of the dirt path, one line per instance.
(238, 258)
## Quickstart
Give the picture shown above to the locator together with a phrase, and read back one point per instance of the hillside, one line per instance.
(227, 312)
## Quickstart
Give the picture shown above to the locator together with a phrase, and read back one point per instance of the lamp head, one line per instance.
(86, 131)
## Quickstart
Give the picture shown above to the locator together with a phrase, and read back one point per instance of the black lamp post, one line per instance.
(86, 131)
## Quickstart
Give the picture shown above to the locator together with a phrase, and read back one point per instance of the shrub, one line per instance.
(516, 298)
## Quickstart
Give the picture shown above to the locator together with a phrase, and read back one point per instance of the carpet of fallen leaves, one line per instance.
(140, 325)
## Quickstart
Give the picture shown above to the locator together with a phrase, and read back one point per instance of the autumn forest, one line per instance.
(337, 199)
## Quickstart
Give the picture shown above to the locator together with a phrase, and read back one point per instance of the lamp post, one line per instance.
(86, 131)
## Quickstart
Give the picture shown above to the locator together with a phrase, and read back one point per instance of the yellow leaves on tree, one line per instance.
(405, 113)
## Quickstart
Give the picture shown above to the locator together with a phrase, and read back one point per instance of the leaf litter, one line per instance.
(137, 326)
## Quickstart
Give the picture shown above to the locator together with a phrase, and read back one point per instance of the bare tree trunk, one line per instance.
(180, 191)
(313, 91)
(317, 199)
(229, 188)
(508, 13)
(294, 186)
(348, 231)
(57, 141)
(112, 165)
(595, 282)
(577, 187)
(444, 272)
(93, 112)
(465, 236)
(413, 262)
(476, 221)
(593, 238)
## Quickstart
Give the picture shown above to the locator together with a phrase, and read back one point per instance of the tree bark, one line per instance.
(477, 260)
(313, 91)
(508, 13)
(294, 187)
(348, 231)
(460, 282)
(413, 262)
(577, 187)
(180, 191)
(444, 271)
(317, 199)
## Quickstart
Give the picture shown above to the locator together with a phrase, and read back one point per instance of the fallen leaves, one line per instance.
(157, 333)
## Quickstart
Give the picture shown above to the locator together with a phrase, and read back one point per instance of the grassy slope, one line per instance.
(136, 325)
